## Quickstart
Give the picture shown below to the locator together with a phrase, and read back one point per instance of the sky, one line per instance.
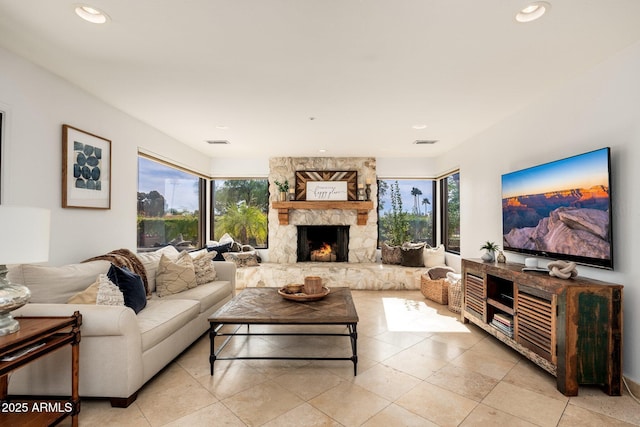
(405, 185)
(179, 189)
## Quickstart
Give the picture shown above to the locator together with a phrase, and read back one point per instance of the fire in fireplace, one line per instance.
(323, 243)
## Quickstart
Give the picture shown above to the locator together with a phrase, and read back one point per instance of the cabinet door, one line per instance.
(474, 295)
(535, 324)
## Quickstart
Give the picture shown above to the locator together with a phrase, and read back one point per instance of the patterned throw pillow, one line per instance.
(174, 277)
(204, 268)
(108, 292)
(242, 259)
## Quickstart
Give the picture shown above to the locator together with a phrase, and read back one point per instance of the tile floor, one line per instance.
(418, 366)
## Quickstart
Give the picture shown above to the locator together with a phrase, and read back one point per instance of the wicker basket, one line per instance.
(435, 290)
(455, 296)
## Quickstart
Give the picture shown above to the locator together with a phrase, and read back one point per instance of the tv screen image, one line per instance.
(561, 210)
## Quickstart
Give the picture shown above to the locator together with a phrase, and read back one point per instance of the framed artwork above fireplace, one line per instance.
(303, 177)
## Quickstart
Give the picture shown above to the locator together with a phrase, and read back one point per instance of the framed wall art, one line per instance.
(326, 185)
(86, 169)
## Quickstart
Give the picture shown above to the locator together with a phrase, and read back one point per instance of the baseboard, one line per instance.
(634, 387)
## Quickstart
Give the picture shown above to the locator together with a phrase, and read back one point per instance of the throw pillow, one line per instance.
(434, 257)
(174, 277)
(412, 255)
(131, 286)
(88, 296)
(436, 273)
(204, 268)
(242, 259)
(108, 293)
(390, 254)
(220, 249)
(150, 262)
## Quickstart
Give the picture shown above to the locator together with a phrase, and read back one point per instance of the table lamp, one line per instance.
(25, 239)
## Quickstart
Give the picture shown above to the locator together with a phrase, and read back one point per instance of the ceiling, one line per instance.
(292, 77)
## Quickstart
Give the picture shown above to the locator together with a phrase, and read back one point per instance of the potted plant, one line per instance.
(283, 188)
(398, 229)
(490, 251)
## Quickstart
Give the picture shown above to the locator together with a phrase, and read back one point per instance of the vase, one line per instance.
(283, 196)
(488, 256)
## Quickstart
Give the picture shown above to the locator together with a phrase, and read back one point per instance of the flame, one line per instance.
(325, 249)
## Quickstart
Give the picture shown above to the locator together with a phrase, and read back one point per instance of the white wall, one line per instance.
(37, 104)
(597, 109)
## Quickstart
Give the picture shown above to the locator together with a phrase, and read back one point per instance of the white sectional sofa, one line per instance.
(119, 350)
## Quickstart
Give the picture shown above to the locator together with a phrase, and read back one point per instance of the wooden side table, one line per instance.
(37, 337)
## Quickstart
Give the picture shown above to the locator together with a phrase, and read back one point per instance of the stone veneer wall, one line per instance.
(283, 239)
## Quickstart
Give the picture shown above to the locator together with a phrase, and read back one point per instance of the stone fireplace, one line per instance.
(362, 234)
(323, 243)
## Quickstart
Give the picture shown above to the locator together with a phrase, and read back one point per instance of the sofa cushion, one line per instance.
(206, 295)
(174, 277)
(88, 296)
(203, 266)
(434, 256)
(131, 286)
(163, 317)
(151, 260)
(56, 284)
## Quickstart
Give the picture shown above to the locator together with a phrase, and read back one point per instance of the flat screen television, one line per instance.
(561, 210)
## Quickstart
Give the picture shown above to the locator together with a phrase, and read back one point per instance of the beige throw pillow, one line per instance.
(204, 269)
(434, 257)
(88, 296)
(174, 277)
(151, 260)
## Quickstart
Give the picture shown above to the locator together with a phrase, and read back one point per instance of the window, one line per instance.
(170, 203)
(405, 210)
(450, 202)
(240, 208)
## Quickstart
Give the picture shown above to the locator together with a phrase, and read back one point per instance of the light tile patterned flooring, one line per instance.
(418, 366)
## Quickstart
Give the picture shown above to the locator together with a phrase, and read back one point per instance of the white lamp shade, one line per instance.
(24, 232)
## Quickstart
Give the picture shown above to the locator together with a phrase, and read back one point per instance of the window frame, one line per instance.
(444, 205)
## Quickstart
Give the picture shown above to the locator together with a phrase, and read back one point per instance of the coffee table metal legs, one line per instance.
(214, 332)
(353, 335)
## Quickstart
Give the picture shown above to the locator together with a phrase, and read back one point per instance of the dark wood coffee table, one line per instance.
(263, 306)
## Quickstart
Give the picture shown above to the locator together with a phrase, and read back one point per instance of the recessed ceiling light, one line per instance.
(533, 11)
(322, 150)
(222, 127)
(425, 141)
(419, 127)
(218, 142)
(91, 14)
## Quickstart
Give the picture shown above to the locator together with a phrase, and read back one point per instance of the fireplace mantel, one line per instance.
(362, 207)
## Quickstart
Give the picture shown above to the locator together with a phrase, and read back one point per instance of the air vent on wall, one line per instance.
(218, 141)
(425, 141)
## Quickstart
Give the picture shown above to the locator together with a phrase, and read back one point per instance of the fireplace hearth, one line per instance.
(323, 243)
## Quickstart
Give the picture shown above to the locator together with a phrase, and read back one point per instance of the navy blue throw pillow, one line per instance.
(220, 250)
(131, 286)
